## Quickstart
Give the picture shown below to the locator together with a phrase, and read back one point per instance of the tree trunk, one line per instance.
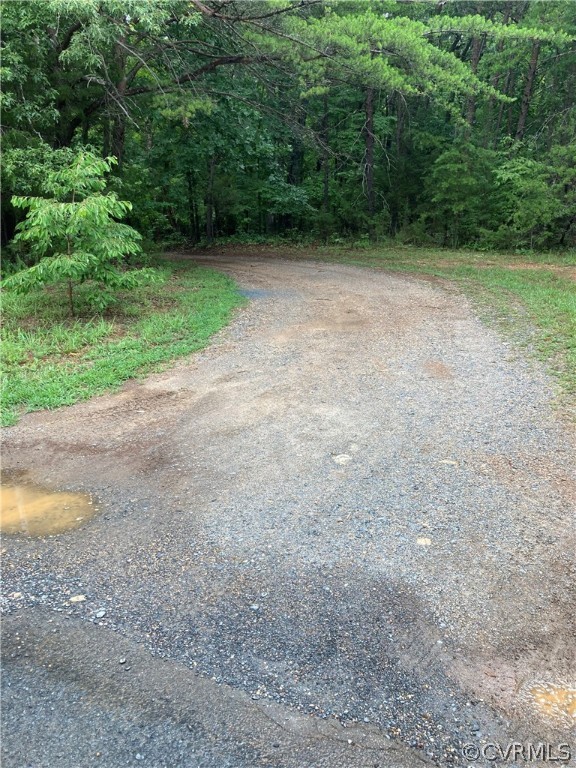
(296, 162)
(260, 213)
(295, 172)
(325, 172)
(477, 49)
(400, 113)
(8, 228)
(508, 88)
(495, 82)
(71, 298)
(119, 120)
(210, 200)
(528, 90)
(118, 140)
(369, 159)
(106, 137)
(566, 230)
(192, 210)
(196, 217)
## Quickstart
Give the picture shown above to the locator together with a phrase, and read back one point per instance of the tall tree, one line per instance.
(236, 116)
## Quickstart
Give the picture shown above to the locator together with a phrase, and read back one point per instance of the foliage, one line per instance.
(442, 122)
(73, 236)
(537, 198)
(461, 184)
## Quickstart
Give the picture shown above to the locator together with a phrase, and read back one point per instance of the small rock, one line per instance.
(78, 598)
(342, 458)
(121, 661)
(99, 614)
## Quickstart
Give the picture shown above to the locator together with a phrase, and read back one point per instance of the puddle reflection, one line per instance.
(36, 511)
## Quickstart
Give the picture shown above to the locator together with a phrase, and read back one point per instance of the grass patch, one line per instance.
(50, 360)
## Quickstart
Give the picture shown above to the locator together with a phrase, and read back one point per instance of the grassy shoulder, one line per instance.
(50, 360)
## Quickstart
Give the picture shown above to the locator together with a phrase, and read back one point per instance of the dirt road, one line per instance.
(343, 535)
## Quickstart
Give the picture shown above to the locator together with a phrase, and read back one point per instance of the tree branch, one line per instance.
(67, 39)
(215, 15)
(222, 61)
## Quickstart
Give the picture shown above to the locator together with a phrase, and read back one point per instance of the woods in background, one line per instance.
(449, 123)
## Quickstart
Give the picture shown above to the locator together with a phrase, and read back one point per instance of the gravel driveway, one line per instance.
(343, 535)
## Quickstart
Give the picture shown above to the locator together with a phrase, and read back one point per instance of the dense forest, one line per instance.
(447, 123)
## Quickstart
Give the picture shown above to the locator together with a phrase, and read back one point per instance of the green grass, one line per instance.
(50, 360)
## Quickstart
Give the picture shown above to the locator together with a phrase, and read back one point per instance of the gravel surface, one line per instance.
(342, 535)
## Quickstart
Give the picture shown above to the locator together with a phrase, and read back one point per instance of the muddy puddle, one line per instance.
(33, 510)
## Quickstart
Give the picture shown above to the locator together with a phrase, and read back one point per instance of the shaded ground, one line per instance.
(561, 264)
(353, 516)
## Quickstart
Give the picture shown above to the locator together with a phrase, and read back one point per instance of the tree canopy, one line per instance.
(436, 122)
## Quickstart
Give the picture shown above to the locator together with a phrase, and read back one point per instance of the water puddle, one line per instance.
(36, 511)
(555, 701)
(256, 293)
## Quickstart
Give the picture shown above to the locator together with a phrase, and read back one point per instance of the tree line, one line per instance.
(447, 123)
